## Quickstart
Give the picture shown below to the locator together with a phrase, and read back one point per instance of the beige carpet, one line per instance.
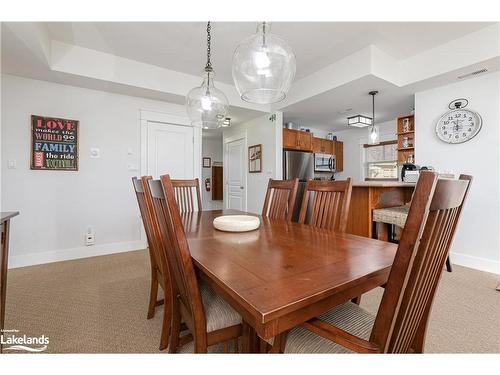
(99, 305)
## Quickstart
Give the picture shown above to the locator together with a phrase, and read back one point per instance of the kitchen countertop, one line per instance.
(383, 184)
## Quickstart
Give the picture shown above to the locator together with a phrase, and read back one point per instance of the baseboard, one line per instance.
(32, 259)
(481, 264)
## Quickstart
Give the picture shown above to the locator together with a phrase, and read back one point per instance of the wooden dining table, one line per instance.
(284, 273)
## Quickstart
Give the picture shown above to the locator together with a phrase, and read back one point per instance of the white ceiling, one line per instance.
(181, 46)
(322, 111)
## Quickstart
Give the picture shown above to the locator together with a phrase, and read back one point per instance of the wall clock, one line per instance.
(458, 125)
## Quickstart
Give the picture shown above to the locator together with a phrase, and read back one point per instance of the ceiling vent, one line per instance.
(484, 70)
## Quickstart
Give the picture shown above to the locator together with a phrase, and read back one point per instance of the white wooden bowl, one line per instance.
(236, 223)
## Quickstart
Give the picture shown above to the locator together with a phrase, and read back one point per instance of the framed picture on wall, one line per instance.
(255, 159)
(54, 143)
(207, 162)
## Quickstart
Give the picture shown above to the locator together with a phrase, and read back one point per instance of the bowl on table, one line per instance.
(236, 223)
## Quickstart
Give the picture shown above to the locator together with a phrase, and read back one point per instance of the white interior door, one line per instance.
(236, 175)
(170, 149)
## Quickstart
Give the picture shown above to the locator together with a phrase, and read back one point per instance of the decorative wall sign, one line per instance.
(54, 143)
(255, 159)
(207, 162)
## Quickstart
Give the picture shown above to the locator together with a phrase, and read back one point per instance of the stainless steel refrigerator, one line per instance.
(297, 164)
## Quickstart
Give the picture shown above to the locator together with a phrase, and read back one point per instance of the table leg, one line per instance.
(251, 341)
(3, 272)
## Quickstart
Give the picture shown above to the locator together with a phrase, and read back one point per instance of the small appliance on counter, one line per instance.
(405, 169)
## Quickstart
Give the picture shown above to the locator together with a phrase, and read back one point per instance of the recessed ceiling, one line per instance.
(181, 46)
(329, 111)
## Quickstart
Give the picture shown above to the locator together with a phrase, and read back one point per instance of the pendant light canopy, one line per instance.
(263, 67)
(206, 105)
(373, 130)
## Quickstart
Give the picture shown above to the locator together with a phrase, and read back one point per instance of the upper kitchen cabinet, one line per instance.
(297, 140)
(322, 146)
(338, 151)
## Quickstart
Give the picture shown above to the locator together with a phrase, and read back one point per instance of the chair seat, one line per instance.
(219, 314)
(349, 317)
(392, 215)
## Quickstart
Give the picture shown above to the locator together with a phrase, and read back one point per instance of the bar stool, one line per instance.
(394, 217)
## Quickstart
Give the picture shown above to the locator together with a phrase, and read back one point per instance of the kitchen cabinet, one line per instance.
(338, 151)
(322, 146)
(297, 140)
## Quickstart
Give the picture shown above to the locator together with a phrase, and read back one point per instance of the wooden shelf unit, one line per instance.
(405, 152)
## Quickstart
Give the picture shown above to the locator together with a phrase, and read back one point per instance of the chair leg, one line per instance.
(200, 345)
(392, 233)
(153, 294)
(374, 230)
(166, 326)
(356, 300)
(448, 264)
(176, 328)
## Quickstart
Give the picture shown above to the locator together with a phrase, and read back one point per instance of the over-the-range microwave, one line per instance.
(324, 163)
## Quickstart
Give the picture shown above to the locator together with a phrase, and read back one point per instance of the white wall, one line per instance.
(353, 140)
(57, 206)
(211, 148)
(477, 242)
(268, 133)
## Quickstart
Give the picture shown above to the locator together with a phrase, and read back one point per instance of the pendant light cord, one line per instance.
(208, 67)
(373, 93)
(263, 34)
(373, 110)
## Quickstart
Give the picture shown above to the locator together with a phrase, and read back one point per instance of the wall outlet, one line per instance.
(89, 236)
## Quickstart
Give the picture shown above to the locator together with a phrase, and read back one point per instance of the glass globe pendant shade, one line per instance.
(373, 135)
(206, 105)
(263, 67)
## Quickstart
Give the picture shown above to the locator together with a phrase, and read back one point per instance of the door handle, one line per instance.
(241, 187)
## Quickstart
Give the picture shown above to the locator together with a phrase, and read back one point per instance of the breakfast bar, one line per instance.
(368, 195)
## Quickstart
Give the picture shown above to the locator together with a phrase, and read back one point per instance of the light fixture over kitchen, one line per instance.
(373, 131)
(359, 121)
(263, 67)
(206, 105)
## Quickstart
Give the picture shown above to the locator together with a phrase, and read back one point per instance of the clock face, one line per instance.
(458, 126)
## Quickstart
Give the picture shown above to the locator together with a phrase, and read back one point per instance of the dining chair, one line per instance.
(330, 204)
(401, 322)
(393, 217)
(208, 317)
(280, 199)
(159, 271)
(184, 191)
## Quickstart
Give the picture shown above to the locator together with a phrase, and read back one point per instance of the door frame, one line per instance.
(237, 137)
(167, 118)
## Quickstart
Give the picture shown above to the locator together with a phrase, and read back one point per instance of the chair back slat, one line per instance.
(280, 199)
(330, 204)
(175, 246)
(416, 271)
(184, 191)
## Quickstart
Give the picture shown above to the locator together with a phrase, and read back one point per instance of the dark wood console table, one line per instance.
(4, 259)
